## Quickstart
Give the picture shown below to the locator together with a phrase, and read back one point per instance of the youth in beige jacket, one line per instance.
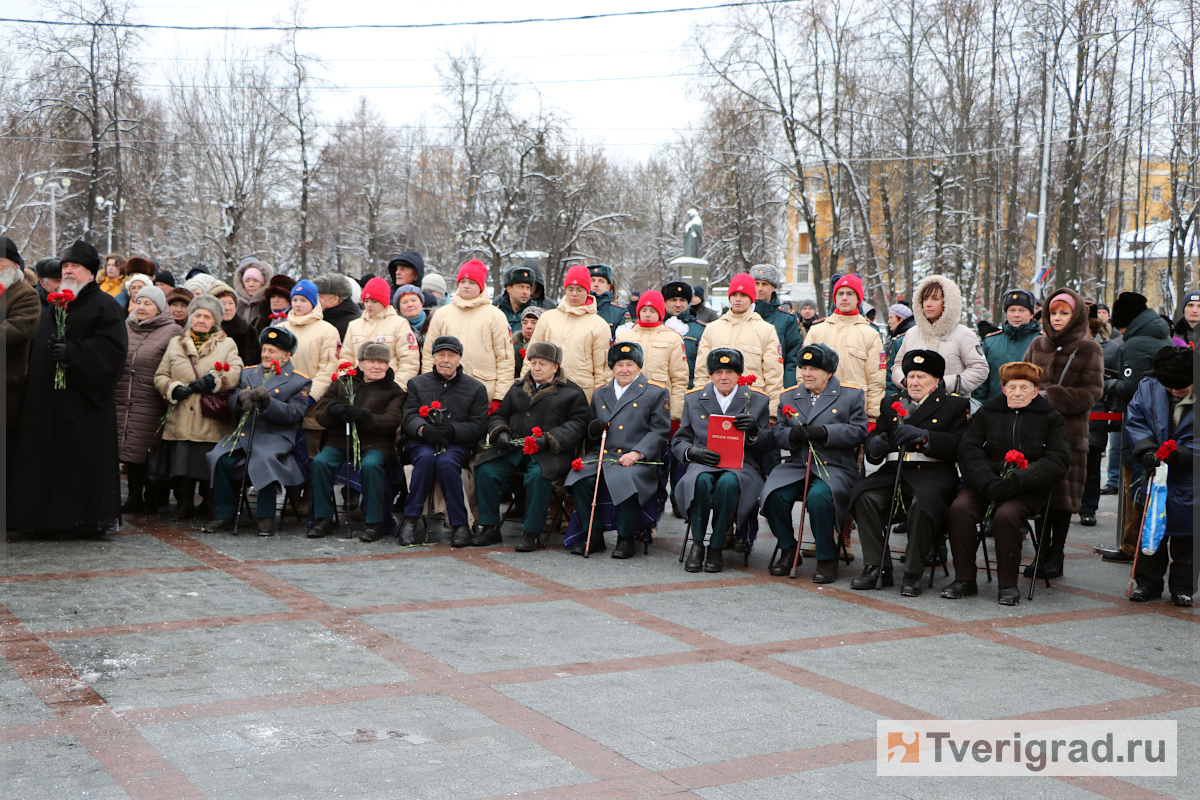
(665, 362)
(584, 339)
(316, 356)
(862, 362)
(759, 342)
(389, 328)
(487, 343)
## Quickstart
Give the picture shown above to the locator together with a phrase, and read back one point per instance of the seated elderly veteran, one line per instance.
(535, 431)
(276, 397)
(918, 433)
(730, 495)
(823, 420)
(637, 416)
(375, 412)
(1016, 483)
(441, 437)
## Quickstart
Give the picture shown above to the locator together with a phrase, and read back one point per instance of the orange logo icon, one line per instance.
(904, 747)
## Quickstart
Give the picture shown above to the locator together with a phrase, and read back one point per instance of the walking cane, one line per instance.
(803, 509)
(346, 487)
(887, 523)
(1138, 546)
(246, 472)
(587, 544)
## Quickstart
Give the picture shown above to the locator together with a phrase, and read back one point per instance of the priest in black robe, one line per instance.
(66, 475)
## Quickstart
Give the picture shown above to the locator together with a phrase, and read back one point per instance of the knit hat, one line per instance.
(532, 311)
(620, 351)
(818, 355)
(333, 284)
(154, 293)
(515, 275)
(725, 358)
(1126, 309)
(1175, 367)
(813, 304)
(140, 264)
(434, 283)
(767, 272)
(900, 310)
(850, 281)
(744, 284)
(279, 286)
(199, 269)
(138, 277)
(165, 276)
(1019, 297)
(376, 289)
(578, 275)
(1020, 371)
(210, 304)
(179, 295)
(308, 290)
(48, 268)
(447, 343)
(601, 271)
(697, 291)
(1062, 297)
(407, 288)
(279, 336)
(220, 289)
(83, 254)
(928, 361)
(253, 272)
(474, 270)
(547, 350)
(676, 289)
(12, 253)
(375, 351)
(654, 299)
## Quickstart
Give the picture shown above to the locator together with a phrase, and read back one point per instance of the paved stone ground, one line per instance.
(162, 662)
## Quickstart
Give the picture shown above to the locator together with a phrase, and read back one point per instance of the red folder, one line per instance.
(727, 440)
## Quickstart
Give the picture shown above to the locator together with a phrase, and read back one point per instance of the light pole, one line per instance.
(103, 204)
(54, 188)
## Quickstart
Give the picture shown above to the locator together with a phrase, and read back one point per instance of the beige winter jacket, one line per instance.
(862, 361)
(665, 363)
(391, 329)
(482, 328)
(966, 365)
(316, 355)
(758, 342)
(184, 421)
(584, 338)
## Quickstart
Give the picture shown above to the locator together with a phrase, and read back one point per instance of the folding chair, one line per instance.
(1040, 520)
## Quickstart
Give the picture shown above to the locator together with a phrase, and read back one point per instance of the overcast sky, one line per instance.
(621, 81)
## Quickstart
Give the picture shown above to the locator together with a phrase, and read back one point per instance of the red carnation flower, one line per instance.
(788, 411)
(536, 431)
(1165, 449)
(345, 365)
(423, 411)
(577, 464)
(901, 411)
(522, 352)
(530, 446)
(435, 405)
(747, 380)
(275, 368)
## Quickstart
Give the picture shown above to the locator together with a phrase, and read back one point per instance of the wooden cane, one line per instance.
(1137, 548)
(587, 544)
(803, 509)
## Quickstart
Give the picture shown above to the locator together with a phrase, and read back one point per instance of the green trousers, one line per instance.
(327, 467)
(778, 511)
(627, 511)
(871, 507)
(492, 476)
(227, 481)
(717, 496)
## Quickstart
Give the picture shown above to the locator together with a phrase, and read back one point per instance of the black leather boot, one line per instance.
(408, 532)
(695, 559)
(872, 577)
(185, 497)
(625, 548)
(135, 474)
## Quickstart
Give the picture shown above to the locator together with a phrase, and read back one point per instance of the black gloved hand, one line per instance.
(503, 442)
(261, 396)
(596, 428)
(1180, 460)
(816, 433)
(907, 435)
(702, 455)
(337, 412)
(357, 414)
(1004, 489)
(878, 446)
(58, 351)
(180, 393)
(246, 401)
(446, 431)
(204, 384)
(432, 436)
(1149, 460)
(797, 436)
(745, 422)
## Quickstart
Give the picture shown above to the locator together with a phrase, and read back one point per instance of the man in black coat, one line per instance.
(69, 478)
(1022, 421)
(918, 433)
(441, 437)
(545, 413)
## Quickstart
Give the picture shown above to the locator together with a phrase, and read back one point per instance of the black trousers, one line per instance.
(1150, 570)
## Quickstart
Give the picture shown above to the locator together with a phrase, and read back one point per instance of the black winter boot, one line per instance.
(185, 499)
(135, 474)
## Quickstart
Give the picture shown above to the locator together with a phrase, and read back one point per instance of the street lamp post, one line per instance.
(55, 188)
(102, 204)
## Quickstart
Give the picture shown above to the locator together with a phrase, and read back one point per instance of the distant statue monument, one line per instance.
(690, 266)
